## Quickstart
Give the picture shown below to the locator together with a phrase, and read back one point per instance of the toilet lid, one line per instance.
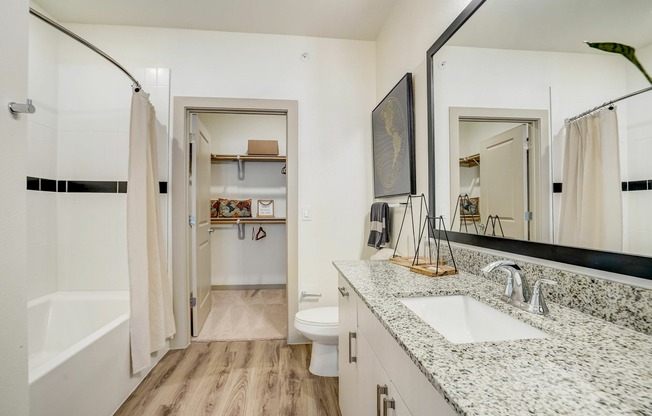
(327, 316)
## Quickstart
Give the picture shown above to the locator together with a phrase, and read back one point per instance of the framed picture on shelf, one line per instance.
(392, 123)
(265, 208)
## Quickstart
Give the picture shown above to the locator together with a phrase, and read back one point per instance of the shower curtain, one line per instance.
(152, 319)
(591, 200)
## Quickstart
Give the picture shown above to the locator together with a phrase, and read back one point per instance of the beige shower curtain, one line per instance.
(152, 319)
(591, 200)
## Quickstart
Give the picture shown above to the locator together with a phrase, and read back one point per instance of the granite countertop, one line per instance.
(586, 366)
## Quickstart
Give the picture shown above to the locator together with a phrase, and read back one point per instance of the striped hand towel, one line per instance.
(379, 227)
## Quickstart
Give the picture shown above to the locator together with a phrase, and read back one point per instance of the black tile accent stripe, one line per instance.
(637, 186)
(48, 185)
(33, 184)
(642, 185)
(107, 187)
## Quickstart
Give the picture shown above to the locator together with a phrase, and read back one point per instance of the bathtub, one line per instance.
(79, 361)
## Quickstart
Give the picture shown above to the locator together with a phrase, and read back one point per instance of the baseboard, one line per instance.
(247, 287)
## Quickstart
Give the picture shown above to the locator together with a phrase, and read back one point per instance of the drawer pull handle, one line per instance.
(379, 391)
(343, 291)
(388, 404)
(352, 359)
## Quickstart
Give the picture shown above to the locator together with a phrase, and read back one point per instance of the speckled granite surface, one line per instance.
(615, 302)
(586, 366)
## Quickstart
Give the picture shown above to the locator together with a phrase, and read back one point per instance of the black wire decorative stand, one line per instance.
(433, 226)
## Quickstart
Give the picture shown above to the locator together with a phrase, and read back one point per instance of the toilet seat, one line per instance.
(322, 317)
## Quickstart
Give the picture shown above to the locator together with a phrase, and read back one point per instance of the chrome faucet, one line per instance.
(538, 303)
(517, 292)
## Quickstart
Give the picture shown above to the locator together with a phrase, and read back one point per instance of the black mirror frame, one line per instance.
(631, 265)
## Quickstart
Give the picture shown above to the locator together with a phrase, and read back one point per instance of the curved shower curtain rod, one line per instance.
(607, 104)
(86, 43)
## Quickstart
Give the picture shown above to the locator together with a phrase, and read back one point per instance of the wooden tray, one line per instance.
(429, 270)
(407, 261)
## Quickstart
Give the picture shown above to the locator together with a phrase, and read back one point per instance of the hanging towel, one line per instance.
(152, 320)
(379, 227)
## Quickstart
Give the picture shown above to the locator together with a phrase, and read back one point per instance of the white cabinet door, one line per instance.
(347, 352)
(416, 391)
(377, 396)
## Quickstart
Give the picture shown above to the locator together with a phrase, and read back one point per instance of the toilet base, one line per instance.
(323, 360)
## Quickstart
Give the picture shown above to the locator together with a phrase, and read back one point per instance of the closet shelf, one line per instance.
(247, 158)
(248, 220)
(470, 161)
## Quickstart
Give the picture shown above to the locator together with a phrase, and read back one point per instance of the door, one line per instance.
(503, 182)
(200, 224)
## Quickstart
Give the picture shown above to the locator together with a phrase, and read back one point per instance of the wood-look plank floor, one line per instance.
(236, 378)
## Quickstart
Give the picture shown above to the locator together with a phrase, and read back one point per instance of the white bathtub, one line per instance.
(79, 361)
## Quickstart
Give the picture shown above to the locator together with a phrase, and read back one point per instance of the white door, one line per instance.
(503, 182)
(200, 224)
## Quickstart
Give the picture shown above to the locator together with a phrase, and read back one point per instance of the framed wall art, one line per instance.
(392, 124)
(265, 208)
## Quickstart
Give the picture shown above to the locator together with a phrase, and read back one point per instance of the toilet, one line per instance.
(320, 325)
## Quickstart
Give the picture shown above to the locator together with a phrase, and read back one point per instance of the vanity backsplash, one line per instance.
(615, 302)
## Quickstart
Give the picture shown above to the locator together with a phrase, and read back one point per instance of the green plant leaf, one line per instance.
(625, 50)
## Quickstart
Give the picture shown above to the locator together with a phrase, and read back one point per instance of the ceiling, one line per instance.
(557, 25)
(340, 19)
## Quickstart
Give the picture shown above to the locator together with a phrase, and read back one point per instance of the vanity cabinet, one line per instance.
(347, 348)
(378, 360)
(377, 395)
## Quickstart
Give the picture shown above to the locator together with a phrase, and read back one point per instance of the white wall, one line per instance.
(249, 261)
(411, 28)
(13, 244)
(335, 91)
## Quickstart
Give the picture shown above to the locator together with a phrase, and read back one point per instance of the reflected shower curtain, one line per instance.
(152, 319)
(591, 200)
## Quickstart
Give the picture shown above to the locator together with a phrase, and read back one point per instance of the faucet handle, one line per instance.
(538, 303)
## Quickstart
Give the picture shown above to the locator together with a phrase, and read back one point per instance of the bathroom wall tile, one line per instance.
(113, 212)
(150, 77)
(163, 76)
(41, 270)
(41, 150)
(93, 266)
(41, 218)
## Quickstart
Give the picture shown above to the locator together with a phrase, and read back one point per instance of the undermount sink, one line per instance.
(462, 319)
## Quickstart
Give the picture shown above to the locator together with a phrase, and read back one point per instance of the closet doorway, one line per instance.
(253, 256)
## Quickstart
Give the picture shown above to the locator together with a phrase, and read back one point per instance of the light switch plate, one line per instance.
(305, 213)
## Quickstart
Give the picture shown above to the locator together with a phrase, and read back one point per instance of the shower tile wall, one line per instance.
(637, 203)
(80, 131)
(42, 161)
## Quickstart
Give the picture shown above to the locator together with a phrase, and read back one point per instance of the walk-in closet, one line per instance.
(247, 231)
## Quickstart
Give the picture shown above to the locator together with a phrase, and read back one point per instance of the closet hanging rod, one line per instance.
(608, 103)
(86, 43)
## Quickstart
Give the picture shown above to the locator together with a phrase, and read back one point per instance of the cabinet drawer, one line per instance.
(418, 393)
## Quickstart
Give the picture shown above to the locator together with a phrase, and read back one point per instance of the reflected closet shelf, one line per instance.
(247, 158)
(248, 220)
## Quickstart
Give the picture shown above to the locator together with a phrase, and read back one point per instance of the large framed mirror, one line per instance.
(503, 80)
